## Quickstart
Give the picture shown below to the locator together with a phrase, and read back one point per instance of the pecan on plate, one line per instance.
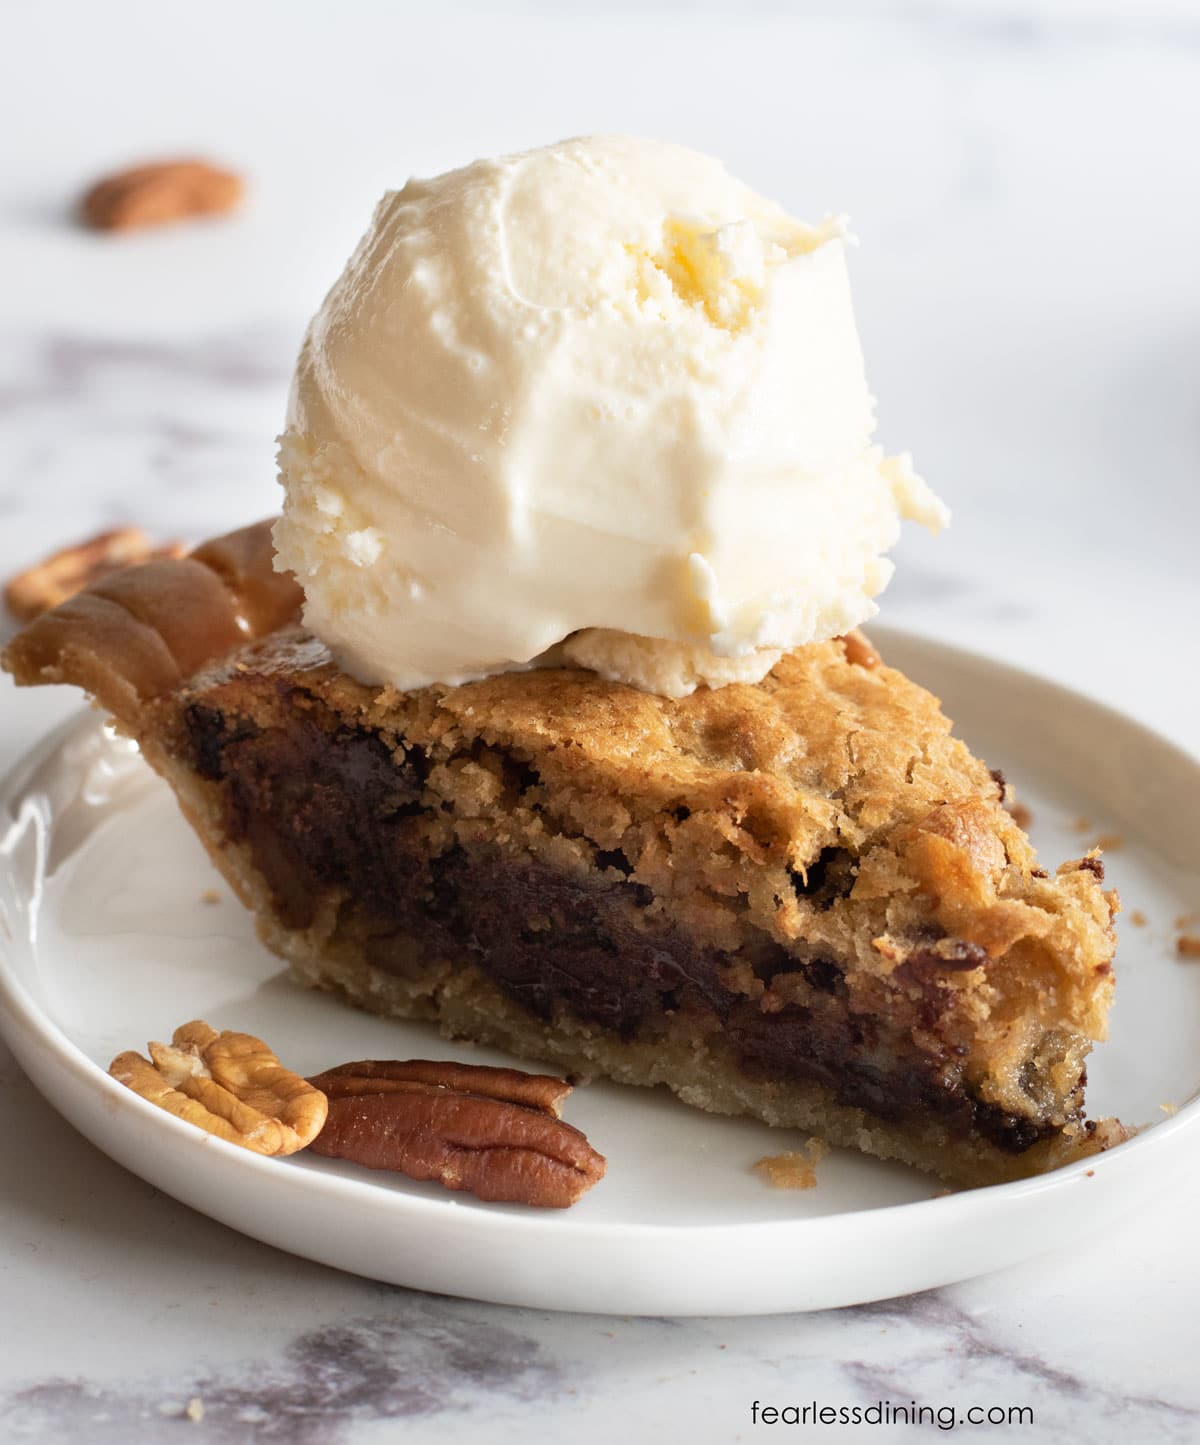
(148, 195)
(228, 1084)
(71, 569)
(493, 1132)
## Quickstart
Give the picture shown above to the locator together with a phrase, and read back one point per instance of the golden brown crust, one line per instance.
(264, 599)
(138, 633)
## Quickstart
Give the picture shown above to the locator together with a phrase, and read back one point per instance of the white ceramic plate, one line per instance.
(107, 942)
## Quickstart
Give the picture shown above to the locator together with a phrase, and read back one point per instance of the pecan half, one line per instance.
(230, 1085)
(71, 569)
(859, 649)
(148, 195)
(493, 1132)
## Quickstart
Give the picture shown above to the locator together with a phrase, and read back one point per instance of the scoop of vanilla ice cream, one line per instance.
(598, 403)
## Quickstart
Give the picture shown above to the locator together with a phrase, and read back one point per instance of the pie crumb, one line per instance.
(1082, 825)
(1109, 842)
(1169, 1108)
(1138, 918)
(796, 1169)
(1185, 920)
(1021, 815)
(210, 895)
(195, 1409)
(1187, 945)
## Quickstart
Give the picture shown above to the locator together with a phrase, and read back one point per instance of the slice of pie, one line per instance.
(801, 900)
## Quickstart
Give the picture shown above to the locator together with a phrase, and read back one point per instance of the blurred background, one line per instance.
(1022, 178)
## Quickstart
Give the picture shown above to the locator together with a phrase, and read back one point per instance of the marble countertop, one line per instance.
(1023, 181)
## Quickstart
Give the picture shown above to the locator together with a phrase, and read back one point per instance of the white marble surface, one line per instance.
(1024, 182)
